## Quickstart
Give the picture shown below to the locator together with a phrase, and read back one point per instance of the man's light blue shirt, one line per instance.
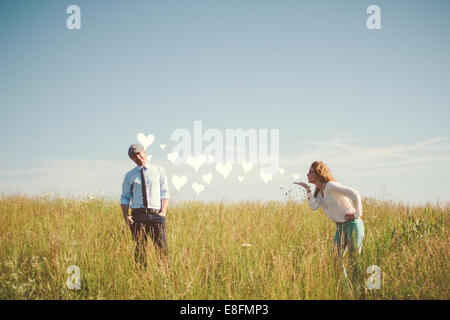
(156, 182)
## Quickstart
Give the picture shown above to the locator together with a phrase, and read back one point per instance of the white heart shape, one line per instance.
(282, 171)
(265, 176)
(210, 159)
(198, 187)
(145, 140)
(162, 146)
(241, 179)
(247, 166)
(178, 182)
(196, 162)
(295, 176)
(207, 178)
(224, 169)
(172, 157)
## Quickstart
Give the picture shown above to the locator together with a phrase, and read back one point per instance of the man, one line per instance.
(146, 185)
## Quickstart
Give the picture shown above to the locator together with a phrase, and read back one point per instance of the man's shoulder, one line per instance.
(130, 172)
(155, 167)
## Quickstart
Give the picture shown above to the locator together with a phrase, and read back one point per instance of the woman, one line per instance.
(341, 204)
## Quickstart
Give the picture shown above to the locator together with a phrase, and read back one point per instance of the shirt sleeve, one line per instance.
(164, 185)
(126, 191)
(352, 194)
(314, 203)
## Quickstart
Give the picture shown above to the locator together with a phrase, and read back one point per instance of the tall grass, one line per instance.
(290, 257)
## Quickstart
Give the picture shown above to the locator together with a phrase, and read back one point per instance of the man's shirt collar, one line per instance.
(146, 166)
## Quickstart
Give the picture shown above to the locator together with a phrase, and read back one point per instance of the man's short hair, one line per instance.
(135, 148)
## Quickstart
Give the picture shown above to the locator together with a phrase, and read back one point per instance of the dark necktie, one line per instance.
(144, 192)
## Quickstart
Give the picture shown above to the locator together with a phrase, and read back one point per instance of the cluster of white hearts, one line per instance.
(196, 162)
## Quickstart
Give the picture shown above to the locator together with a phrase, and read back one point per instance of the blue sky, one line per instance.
(372, 104)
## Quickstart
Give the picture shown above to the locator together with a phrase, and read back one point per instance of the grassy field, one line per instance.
(290, 257)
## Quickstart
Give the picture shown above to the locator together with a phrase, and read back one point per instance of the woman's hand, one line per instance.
(304, 185)
(349, 217)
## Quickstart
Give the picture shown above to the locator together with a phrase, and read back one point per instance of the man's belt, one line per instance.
(145, 210)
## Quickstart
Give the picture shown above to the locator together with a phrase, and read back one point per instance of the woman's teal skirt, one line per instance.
(349, 234)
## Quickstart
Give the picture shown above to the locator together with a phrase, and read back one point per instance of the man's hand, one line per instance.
(164, 206)
(128, 220)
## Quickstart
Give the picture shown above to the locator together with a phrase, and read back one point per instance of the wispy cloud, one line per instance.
(368, 160)
(76, 177)
(358, 165)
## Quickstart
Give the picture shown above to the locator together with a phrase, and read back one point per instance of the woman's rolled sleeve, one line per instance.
(350, 193)
(314, 203)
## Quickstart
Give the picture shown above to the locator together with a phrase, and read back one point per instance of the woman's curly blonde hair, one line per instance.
(323, 173)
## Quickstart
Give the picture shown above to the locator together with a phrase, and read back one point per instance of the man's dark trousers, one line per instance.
(153, 225)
